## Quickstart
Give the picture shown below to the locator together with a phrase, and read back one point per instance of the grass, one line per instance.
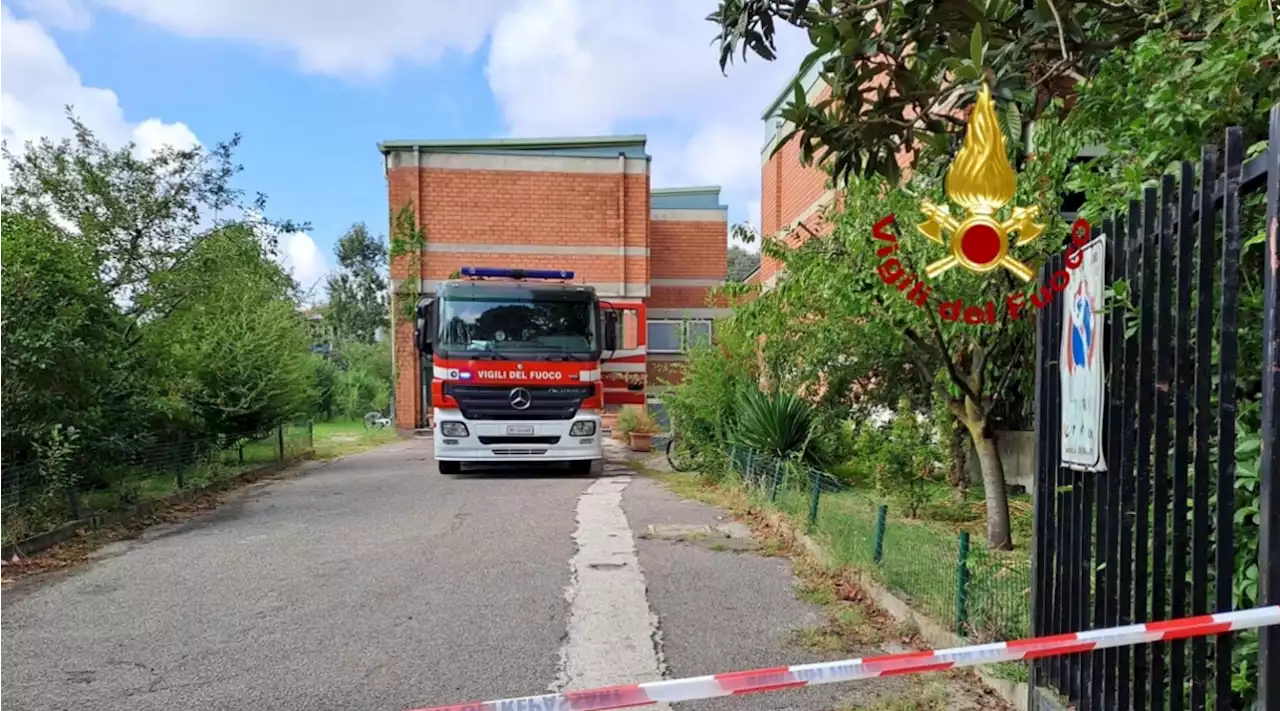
(923, 696)
(920, 556)
(338, 439)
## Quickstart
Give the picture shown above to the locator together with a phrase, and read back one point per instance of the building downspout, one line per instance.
(391, 296)
(622, 218)
(423, 418)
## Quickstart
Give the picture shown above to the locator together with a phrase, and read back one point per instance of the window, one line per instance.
(665, 336)
(697, 332)
(527, 321)
(677, 336)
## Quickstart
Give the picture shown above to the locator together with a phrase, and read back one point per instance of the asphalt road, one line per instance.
(375, 583)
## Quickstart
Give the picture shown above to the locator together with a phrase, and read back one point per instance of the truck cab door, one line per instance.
(623, 363)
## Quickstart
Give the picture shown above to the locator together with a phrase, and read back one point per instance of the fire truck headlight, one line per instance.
(453, 429)
(583, 428)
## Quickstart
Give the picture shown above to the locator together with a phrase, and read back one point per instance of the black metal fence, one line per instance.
(41, 496)
(1168, 530)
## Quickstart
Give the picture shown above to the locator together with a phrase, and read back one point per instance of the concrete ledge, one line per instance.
(68, 530)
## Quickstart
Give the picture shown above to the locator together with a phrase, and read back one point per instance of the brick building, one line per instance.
(793, 196)
(583, 204)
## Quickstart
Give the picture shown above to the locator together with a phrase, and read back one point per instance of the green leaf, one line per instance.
(977, 47)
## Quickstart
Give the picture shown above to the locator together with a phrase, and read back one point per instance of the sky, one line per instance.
(314, 85)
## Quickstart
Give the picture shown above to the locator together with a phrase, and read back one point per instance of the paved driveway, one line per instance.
(374, 583)
(370, 583)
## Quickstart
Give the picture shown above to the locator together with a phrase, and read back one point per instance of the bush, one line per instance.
(704, 407)
(627, 421)
(782, 425)
(898, 460)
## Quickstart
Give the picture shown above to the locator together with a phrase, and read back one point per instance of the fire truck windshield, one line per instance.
(518, 324)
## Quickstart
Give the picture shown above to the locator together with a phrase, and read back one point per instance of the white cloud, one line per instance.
(38, 84)
(338, 37)
(562, 67)
(154, 134)
(556, 67)
(297, 252)
(300, 255)
(63, 14)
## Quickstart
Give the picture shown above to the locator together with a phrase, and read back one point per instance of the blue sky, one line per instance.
(313, 86)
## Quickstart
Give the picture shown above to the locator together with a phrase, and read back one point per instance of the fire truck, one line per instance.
(523, 364)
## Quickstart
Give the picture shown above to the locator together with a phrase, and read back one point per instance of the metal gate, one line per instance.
(1155, 536)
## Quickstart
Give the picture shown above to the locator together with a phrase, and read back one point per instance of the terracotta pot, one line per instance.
(641, 442)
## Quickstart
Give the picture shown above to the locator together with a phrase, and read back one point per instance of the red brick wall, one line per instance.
(553, 209)
(495, 207)
(787, 189)
(688, 250)
(684, 250)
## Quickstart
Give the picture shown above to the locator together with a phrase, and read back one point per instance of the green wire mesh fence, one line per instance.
(980, 594)
(39, 496)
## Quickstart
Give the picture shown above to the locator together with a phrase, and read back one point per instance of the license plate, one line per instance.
(519, 429)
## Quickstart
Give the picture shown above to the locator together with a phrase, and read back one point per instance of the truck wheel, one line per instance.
(447, 467)
(580, 467)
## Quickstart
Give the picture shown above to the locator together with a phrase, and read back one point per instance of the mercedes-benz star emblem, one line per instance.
(520, 398)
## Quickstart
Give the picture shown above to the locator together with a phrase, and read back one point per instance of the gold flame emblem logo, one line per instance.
(982, 181)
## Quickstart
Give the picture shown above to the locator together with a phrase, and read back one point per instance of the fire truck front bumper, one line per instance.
(460, 440)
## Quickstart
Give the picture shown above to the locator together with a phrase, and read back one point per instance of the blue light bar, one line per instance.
(504, 273)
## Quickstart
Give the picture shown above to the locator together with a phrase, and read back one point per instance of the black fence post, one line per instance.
(1228, 350)
(280, 442)
(962, 584)
(877, 550)
(73, 502)
(1269, 472)
(813, 497)
(311, 435)
(777, 479)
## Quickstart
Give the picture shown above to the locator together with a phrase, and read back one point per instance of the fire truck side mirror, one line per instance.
(610, 330)
(424, 326)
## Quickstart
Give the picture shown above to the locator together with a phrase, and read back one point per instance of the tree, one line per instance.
(899, 71)
(141, 217)
(358, 289)
(62, 337)
(143, 303)
(238, 352)
(742, 263)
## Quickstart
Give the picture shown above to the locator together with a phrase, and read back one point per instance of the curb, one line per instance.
(66, 531)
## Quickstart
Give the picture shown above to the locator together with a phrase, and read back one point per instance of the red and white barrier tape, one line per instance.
(749, 682)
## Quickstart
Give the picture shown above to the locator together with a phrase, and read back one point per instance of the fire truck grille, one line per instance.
(495, 402)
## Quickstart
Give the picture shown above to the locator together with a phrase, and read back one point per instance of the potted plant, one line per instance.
(625, 425)
(609, 421)
(643, 431)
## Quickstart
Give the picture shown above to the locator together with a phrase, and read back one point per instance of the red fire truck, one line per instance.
(524, 362)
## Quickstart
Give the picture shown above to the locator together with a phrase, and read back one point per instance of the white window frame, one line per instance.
(682, 333)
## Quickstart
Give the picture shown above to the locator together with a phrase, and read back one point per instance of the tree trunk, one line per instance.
(999, 536)
(959, 476)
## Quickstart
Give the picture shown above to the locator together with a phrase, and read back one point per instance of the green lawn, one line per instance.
(920, 556)
(339, 438)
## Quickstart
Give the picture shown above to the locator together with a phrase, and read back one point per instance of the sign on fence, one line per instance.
(1081, 366)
